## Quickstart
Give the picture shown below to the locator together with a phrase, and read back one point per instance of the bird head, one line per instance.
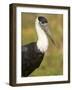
(43, 22)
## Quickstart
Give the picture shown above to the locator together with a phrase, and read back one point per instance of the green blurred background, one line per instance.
(52, 63)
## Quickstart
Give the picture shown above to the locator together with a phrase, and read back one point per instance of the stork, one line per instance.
(33, 53)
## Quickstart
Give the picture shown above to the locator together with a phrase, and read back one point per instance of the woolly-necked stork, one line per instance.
(33, 53)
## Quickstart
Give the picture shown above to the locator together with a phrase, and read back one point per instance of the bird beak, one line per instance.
(50, 35)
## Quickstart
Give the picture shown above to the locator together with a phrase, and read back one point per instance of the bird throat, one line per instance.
(42, 42)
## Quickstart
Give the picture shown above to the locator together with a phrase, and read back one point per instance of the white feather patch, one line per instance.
(42, 42)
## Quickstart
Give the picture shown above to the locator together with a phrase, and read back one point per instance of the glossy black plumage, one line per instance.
(31, 58)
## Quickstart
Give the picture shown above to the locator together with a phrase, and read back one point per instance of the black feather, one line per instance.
(42, 19)
(31, 58)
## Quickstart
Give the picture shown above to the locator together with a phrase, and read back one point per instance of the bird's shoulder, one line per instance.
(30, 47)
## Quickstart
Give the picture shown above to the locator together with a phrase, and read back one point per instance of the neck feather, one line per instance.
(42, 42)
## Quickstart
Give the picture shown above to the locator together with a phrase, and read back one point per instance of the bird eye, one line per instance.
(42, 22)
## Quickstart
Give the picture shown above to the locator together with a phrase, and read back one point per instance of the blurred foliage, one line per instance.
(52, 63)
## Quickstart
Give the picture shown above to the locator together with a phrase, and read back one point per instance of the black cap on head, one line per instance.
(42, 19)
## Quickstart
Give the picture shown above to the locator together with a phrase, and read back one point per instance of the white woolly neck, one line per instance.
(42, 42)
